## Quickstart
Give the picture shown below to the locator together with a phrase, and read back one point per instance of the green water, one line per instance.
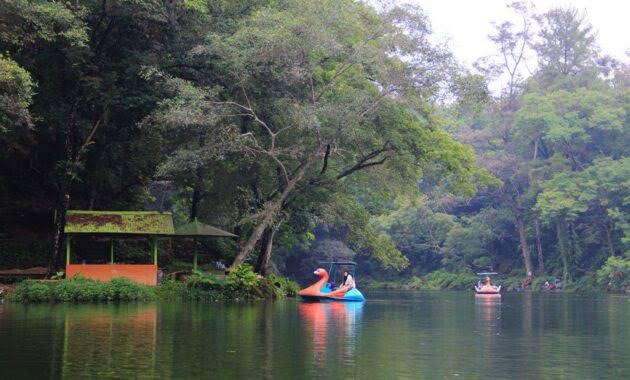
(419, 335)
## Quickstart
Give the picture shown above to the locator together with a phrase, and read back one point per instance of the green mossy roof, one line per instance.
(119, 222)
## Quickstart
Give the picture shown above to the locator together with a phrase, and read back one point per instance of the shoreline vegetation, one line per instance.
(613, 276)
(242, 284)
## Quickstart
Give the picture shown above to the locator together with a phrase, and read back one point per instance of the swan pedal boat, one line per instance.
(321, 291)
(488, 289)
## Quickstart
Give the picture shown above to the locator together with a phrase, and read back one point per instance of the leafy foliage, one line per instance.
(615, 274)
(78, 289)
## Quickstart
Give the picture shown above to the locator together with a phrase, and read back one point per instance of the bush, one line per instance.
(31, 291)
(203, 287)
(242, 278)
(614, 275)
(444, 280)
(80, 289)
(284, 286)
(123, 289)
(171, 290)
(415, 283)
(244, 283)
(582, 284)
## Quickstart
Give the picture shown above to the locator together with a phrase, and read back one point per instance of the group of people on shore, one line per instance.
(557, 285)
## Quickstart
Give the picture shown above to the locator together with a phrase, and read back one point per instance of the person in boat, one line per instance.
(348, 282)
(488, 282)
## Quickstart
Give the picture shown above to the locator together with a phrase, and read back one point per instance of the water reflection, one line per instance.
(395, 335)
(488, 314)
(328, 324)
(98, 340)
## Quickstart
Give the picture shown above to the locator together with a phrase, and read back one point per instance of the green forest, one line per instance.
(318, 130)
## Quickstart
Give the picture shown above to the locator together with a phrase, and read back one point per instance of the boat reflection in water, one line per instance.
(333, 328)
(488, 314)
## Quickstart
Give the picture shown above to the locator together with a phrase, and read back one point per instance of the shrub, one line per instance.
(204, 281)
(284, 287)
(244, 283)
(415, 283)
(203, 287)
(171, 290)
(123, 289)
(79, 289)
(614, 275)
(582, 284)
(31, 291)
(444, 280)
(242, 278)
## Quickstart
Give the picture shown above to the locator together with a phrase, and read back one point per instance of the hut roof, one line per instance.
(119, 222)
(197, 228)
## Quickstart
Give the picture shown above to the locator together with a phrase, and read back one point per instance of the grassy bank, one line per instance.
(240, 284)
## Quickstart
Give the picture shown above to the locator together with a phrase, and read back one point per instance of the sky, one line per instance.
(467, 23)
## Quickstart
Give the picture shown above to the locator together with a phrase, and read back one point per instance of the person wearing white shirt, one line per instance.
(348, 282)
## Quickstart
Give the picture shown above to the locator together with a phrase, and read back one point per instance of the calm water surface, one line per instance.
(395, 335)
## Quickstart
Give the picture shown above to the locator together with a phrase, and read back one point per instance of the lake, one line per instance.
(394, 335)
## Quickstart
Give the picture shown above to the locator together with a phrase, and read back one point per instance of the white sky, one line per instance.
(467, 23)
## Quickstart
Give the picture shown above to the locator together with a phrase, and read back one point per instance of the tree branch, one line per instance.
(364, 162)
(325, 160)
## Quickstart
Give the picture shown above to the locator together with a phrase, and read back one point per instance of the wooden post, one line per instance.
(195, 254)
(111, 251)
(68, 242)
(155, 252)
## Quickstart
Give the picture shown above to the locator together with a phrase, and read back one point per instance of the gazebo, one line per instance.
(151, 225)
(197, 229)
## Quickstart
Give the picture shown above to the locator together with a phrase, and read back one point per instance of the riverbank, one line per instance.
(241, 284)
(614, 277)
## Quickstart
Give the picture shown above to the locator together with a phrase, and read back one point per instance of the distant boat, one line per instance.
(488, 287)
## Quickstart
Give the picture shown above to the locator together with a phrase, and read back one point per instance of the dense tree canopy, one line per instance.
(306, 126)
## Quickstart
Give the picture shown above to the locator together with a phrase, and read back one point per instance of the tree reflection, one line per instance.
(109, 341)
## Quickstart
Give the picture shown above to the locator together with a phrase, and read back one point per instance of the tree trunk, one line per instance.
(524, 247)
(63, 200)
(194, 207)
(263, 265)
(270, 210)
(539, 249)
(562, 242)
(196, 195)
(60, 221)
(608, 234)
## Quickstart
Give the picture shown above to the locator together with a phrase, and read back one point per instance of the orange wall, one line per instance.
(142, 274)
